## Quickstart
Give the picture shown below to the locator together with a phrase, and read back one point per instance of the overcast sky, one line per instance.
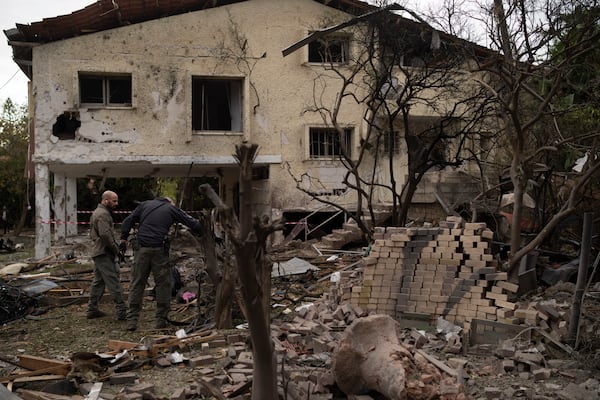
(13, 82)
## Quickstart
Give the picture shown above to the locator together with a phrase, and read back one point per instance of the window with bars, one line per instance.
(103, 90)
(326, 143)
(391, 142)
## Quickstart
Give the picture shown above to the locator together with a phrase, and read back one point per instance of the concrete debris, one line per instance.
(370, 357)
(292, 267)
(426, 315)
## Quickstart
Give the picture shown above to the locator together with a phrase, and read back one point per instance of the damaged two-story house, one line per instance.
(130, 88)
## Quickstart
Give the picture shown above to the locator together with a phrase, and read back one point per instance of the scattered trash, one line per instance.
(39, 286)
(293, 266)
(15, 302)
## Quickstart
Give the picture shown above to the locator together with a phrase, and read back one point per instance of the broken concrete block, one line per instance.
(548, 310)
(238, 378)
(132, 396)
(245, 357)
(507, 349)
(123, 378)
(541, 374)
(205, 348)
(575, 392)
(201, 361)
(528, 358)
(294, 338)
(492, 393)
(591, 384)
(455, 362)
(508, 365)
(162, 362)
(141, 388)
(234, 338)
(178, 394)
(217, 343)
(218, 380)
(319, 346)
(231, 352)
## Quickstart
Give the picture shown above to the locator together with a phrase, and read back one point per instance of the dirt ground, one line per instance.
(57, 332)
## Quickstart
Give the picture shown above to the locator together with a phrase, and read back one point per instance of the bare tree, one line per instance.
(421, 112)
(249, 237)
(527, 85)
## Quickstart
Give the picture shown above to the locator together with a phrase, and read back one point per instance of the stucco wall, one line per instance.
(162, 56)
(154, 136)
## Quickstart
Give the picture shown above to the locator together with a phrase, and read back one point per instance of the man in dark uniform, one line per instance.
(105, 251)
(154, 218)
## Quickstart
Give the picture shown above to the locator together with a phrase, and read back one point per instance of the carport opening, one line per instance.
(66, 125)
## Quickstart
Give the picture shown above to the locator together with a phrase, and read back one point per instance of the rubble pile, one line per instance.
(354, 338)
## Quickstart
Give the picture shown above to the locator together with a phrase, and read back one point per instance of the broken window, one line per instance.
(329, 49)
(328, 143)
(105, 89)
(66, 125)
(217, 104)
(432, 135)
(391, 89)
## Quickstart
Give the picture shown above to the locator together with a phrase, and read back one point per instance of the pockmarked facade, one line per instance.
(142, 89)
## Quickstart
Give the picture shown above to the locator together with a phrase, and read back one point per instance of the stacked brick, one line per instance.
(446, 271)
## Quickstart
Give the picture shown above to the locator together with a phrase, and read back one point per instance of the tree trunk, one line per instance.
(251, 269)
(225, 292)
(254, 275)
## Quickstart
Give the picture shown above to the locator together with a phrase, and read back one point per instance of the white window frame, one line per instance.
(106, 80)
(327, 42)
(235, 99)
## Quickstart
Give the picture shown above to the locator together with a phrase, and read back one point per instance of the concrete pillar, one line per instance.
(71, 206)
(42, 211)
(58, 194)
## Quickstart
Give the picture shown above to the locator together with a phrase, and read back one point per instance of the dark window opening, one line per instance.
(105, 90)
(260, 173)
(326, 142)
(329, 50)
(66, 125)
(431, 136)
(317, 224)
(216, 104)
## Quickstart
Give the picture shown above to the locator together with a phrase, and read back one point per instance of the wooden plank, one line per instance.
(179, 342)
(38, 378)
(57, 369)
(27, 394)
(120, 345)
(439, 364)
(34, 363)
(95, 391)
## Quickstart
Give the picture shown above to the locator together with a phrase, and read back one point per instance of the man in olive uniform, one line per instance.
(105, 251)
(154, 218)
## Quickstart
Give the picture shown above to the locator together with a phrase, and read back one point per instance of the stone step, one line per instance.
(332, 242)
(347, 233)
